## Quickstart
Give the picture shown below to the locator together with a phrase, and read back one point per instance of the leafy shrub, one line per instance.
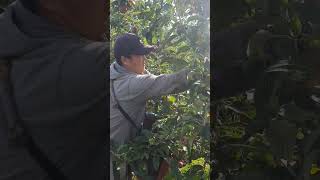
(271, 132)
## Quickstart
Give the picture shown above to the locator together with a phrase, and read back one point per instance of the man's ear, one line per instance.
(124, 60)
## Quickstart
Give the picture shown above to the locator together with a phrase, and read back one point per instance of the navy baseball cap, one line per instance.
(130, 44)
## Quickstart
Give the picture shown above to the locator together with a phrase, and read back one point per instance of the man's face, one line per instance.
(136, 63)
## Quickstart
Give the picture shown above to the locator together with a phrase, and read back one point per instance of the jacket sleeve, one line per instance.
(149, 85)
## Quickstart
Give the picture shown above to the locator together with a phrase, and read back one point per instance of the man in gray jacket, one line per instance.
(133, 86)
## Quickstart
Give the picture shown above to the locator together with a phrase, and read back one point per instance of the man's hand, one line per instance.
(193, 76)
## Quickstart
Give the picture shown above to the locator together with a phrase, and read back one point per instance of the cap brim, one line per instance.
(144, 50)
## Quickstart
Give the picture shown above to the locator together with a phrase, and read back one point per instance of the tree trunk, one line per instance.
(163, 170)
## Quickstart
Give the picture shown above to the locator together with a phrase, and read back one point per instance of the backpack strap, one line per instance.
(123, 112)
(17, 132)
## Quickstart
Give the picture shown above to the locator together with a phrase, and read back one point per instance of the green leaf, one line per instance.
(171, 99)
(183, 49)
(296, 26)
(309, 159)
(314, 169)
(196, 162)
(232, 132)
(300, 135)
(193, 18)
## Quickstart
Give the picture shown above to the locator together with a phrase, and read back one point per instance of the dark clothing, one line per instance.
(59, 81)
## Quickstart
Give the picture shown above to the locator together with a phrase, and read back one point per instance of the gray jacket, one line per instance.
(132, 91)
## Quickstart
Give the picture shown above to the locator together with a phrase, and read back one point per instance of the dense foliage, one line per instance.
(180, 29)
(270, 132)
